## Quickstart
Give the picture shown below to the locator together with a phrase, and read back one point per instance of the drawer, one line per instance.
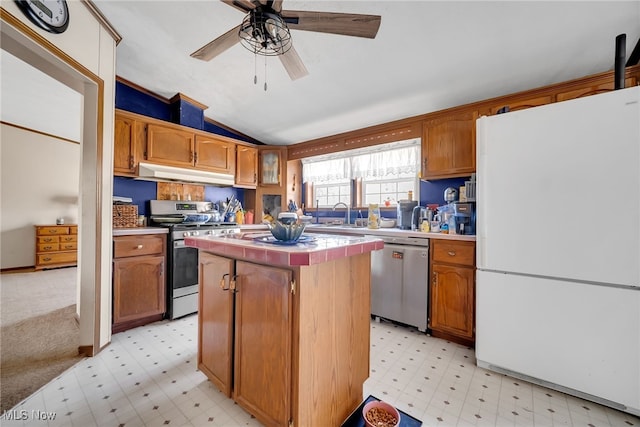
(48, 239)
(70, 246)
(126, 246)
(73, 229)
(48, 247)
(56, 258)
(451, 252)
(69, 238)
(47, 231)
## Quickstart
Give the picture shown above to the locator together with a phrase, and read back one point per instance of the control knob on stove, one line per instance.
(195, 233)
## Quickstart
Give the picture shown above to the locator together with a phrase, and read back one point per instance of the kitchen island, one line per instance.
(284, 329)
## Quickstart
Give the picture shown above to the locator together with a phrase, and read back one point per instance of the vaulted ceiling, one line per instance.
(427, 56)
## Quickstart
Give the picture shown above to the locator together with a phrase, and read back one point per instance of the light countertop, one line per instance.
(258, 246)
(364, 231)
(129, 231)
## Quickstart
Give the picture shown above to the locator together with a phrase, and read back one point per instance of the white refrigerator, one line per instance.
(558, 246)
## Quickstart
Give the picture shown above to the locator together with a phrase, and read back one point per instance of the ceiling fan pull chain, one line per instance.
(255, 68)
(265, 73)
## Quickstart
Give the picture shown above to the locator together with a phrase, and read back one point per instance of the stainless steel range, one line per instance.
(185, 218)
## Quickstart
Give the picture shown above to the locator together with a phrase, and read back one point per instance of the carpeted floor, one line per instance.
(38, 338)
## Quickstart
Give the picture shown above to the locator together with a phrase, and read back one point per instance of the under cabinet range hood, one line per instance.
(155, 172)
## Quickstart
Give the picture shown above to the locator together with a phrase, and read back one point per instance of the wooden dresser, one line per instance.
(56, 246)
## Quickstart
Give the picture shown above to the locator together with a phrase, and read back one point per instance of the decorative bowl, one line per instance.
(290, 232)
(382, 414)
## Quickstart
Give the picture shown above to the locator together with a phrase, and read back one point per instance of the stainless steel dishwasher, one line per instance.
(400, 280)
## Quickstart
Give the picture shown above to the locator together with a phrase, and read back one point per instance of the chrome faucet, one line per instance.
(348, 210)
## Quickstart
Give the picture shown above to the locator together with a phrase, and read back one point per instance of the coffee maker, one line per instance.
(465, 216)
(405, 212)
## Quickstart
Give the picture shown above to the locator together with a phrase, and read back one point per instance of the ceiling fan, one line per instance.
(265, 31)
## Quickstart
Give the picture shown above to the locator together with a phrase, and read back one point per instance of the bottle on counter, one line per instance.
(374, 216)
(452, 225)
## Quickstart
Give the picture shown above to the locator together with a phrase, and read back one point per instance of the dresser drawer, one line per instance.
(69, 238)
(47, 231)
(71, 246)
(48, 239)
(57, 258)
(452, 252)
(48, 247)
(126, 246)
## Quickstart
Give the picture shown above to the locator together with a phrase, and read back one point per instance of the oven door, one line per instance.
(184, 275)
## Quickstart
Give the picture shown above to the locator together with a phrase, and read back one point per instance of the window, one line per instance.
(382, 174)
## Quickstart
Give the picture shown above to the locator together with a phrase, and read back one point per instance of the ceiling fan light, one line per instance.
(264, 33)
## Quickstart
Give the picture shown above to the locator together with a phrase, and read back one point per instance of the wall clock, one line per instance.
(50, 15)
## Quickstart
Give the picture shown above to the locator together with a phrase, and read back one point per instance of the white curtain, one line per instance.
(398, 163)
(394, 160)
(326, 171)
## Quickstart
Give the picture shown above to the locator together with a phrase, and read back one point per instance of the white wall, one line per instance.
(39, 182)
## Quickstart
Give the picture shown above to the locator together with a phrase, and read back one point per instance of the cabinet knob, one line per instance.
(46, 259)
(139, 247)
(452, 253)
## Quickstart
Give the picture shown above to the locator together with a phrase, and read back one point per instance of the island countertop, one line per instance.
(310, 250)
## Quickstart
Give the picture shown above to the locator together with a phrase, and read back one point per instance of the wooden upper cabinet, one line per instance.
(246, 166)
(449, 146)
(593, 89)
(523, 104)
(215, 155)
(170, 146)
(128, 142)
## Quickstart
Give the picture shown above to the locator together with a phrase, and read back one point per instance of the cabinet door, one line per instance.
(247, 166)
(592, 89)
(452, 300)
(138, 288)
(124, 145)
(262, 377)
(215, 155)
(170, 146)
(523, 104)
(215, 321)
(449, 146)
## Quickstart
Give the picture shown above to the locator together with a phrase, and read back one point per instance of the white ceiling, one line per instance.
(427, 56)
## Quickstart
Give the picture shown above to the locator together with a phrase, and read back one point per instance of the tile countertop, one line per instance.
(256, 246)
(362, 231)
(139, 230)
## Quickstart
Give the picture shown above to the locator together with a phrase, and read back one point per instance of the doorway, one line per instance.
(23, 43)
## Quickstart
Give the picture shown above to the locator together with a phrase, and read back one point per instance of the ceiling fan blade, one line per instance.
(348, 24)
(217, 46)
(293, 64)
(277, 5)
(242, 5)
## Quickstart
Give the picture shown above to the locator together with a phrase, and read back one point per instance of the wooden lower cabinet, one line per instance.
(56, 246)
(452, 290)
(139, 280)
(289, 345)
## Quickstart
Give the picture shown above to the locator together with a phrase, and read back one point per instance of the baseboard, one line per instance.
(85, 350)
(12, 270)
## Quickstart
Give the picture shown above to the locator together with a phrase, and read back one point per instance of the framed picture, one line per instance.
(270, 167)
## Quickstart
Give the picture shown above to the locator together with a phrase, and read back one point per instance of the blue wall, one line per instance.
(143, 191)
(130, 99)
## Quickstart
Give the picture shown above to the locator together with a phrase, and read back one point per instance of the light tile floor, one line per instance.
(148, 377)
